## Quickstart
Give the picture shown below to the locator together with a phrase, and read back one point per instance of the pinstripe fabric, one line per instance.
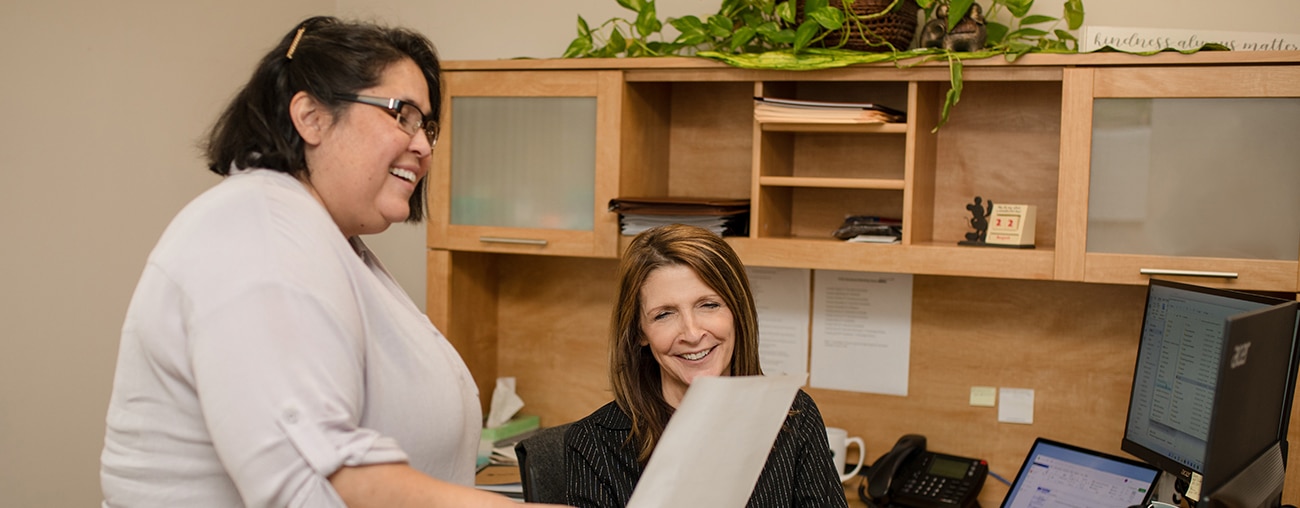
(799, 472)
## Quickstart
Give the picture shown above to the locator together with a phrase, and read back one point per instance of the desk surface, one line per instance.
(991, 495)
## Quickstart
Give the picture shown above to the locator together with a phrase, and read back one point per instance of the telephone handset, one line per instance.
(909, 476)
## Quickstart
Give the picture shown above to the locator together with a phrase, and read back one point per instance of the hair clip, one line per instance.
(294, 45)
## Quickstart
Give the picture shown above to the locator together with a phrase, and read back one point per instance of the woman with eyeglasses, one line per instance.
(267, 357)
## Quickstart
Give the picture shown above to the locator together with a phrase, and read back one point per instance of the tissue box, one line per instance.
(516, 426)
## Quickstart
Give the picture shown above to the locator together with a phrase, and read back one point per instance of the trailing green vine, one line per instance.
(771, 34)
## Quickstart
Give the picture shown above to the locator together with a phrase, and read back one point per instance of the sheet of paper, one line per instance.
(1016, 406)
(716, 443)
(861, 331)
(782, 296)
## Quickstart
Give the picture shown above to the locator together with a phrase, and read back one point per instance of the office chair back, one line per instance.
(541, 465)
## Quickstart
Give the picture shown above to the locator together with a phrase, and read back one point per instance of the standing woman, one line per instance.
(685, 311)
(267, 357)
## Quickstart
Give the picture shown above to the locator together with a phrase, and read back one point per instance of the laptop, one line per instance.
(1057, 474)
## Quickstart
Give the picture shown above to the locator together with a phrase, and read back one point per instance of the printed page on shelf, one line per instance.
(771, 109)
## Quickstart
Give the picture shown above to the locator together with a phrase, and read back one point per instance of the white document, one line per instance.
(716, 443)
(862, 331)
(782, 296)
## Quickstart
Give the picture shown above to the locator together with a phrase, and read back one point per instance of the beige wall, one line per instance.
(101, 108)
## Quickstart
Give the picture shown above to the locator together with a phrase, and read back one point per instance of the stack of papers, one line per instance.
(770, 109)
(724, 217)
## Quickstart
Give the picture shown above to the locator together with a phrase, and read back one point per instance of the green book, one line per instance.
(517, 425)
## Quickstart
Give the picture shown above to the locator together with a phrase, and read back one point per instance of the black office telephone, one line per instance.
(908, 476)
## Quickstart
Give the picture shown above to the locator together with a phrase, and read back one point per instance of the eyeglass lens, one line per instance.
(412, 121)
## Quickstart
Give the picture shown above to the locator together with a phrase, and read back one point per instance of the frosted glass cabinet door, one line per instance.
(1195, 177)
(529, 164)
(524, 162)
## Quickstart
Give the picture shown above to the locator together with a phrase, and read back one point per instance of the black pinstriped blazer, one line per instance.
(799, 471)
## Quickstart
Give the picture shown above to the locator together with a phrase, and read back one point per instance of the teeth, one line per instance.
(697, 356)
(403, 174)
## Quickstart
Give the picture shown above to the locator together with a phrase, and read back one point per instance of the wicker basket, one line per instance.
(897, 27)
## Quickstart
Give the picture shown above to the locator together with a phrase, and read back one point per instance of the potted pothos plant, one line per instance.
(809, 34)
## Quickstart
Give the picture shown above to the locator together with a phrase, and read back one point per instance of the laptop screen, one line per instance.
(1056, 474)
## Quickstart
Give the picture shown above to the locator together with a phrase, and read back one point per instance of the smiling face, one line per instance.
(361, 165)
(689, 330)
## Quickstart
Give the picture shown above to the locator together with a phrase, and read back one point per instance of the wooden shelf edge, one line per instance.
(927, 259)
(832, 183)
(863, 128)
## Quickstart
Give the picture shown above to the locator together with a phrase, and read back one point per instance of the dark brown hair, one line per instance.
(330, 57)
(634, 373)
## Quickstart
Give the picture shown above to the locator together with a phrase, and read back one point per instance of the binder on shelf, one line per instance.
(772, 109)
(723, 216)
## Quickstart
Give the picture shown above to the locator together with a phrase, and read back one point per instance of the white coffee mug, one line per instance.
(839, 440)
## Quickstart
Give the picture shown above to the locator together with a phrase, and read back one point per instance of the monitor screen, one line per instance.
(1177, 370)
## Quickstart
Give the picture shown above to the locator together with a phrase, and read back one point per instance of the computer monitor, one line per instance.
(1177, 400)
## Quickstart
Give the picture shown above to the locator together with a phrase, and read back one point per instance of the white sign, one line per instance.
(1141, 40)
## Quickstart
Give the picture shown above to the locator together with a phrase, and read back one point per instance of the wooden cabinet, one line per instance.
(536, 149)
(1186, 173)
(528, 163)
(1023, 133)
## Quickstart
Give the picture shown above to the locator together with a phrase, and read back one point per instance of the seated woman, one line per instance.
(685, 310)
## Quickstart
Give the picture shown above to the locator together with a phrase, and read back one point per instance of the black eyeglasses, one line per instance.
(409, 117)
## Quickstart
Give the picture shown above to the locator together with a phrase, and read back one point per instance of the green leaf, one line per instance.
(924, 4)
(829, 18)
(995, 32)
(1025, 32)
(1074, 13)
(692, 38)
(742, 37)
(617, 43)
(954, 93)
(647, 22)
(583, 29)
(785, 11)
(785, 37)
(1018, 48)
(1064, 35)
(720, 26)
(804, 34)
(687, 23)
(1018, 8)
(578, 48)
(957, 10)
(1036, 19)
(632, 5)
(815, 5)
(768, 30)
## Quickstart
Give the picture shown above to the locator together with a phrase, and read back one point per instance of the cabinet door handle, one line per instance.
(516, 241)
(1188, 273)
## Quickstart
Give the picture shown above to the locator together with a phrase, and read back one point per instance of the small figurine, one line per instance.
(968, 35)
(979, 220)
(934, 30)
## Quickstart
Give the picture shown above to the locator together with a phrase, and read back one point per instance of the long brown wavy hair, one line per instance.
(634, 373)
